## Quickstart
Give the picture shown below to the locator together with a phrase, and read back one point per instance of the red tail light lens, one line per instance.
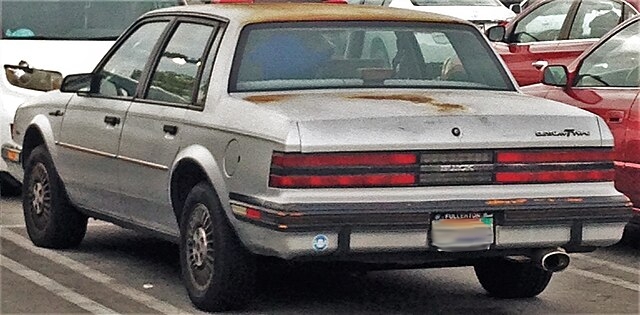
(370, 180)
(555, 156)
(358, 159)
(325, 170)
(554, 176)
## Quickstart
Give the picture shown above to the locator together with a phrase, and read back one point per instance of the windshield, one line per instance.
(456, 2)
(72, 20)
(311, 55)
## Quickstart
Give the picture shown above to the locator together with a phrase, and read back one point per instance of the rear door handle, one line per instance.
(615, 116)
(112, 120)
(540, 64)
(170, 129)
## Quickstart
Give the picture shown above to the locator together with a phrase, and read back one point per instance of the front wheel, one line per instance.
(218, 272)
(509, 279)
(50, 218)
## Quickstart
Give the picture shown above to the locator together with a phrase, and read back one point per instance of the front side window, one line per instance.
(72, 19)
(120, 74)
(364, 54)
(615, 63)
(595, 18)
(542, 24)
(174, 79)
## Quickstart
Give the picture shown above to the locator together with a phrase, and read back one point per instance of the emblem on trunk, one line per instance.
(564, 133)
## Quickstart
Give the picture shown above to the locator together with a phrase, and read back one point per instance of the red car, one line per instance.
(605, 80)
(555, 32)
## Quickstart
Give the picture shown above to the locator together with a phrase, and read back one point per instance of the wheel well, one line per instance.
(186, 175)
(32, 139)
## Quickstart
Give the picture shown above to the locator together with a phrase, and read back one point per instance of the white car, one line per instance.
(41, 41)
(482, 13)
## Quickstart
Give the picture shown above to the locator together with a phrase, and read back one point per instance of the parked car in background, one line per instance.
(555, 32)
(42, 40)
(482, 13)
(605, 80)
(310, 132)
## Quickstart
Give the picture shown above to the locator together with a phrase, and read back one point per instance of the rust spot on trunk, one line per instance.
(414, 98)
(266, 98)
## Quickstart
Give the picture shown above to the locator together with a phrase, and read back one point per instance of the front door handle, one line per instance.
(170, 129)
(540, 64)
(112, 120)
(615, 116)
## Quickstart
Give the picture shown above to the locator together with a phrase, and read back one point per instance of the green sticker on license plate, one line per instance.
(462, 231)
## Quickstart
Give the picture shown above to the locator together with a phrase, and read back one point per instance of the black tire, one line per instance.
(218, 272)
(50, 218)
(509, 279)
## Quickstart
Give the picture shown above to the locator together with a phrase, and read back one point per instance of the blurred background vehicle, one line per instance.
(555, 32)
(43, 40)
(606, 81)
(483, 13)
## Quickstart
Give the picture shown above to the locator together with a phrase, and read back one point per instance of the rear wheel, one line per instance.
(50, 218)
(218, 272)
(509, 279)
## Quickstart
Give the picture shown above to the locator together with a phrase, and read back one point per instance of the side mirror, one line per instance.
(516, 8)
(555, 76)
(26, 77)
(496, 33)
(74, 83)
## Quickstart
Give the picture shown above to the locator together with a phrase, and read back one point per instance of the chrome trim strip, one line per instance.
(86, 150)
(105, 154)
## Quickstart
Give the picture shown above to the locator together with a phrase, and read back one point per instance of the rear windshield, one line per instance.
(284, 56)
(72, 19)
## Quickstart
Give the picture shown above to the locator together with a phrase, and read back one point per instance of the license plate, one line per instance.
(462, 231)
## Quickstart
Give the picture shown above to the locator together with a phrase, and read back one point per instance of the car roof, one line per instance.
(243, 13)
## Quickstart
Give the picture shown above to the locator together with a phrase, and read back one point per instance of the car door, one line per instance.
(152, 130)
(607, 83)
(557, 32)
(92, 122)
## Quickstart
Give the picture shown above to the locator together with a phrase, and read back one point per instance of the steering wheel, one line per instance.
(519, 36)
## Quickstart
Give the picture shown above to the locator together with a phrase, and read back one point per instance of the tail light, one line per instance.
(440, 168)
(546, 166)
(299, 170)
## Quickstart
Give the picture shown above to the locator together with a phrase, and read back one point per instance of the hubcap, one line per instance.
(39, 195)
(199, 247)
(38, 198)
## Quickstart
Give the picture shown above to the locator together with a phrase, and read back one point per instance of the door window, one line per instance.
(595, 18)
(120, 74)
(542, 24)
(174, 79)
(615, 63)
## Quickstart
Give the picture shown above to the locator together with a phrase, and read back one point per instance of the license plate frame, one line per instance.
(462, 231)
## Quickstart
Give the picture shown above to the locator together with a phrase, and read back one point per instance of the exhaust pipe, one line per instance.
(551, 259)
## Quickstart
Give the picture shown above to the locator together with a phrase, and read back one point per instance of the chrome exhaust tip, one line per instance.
(553, 260)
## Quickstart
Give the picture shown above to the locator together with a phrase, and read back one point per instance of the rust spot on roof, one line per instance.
(414, 98)
(267, 98)
(506, 202)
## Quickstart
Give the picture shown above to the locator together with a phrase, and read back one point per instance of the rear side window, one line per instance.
(595, 18)
(174, 79)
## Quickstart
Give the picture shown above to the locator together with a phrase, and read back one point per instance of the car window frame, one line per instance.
(594, 49)
(117, 45)
(564, 29)
(212, 46)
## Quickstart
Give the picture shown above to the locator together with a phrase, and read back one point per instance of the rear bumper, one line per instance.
(349, 231)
